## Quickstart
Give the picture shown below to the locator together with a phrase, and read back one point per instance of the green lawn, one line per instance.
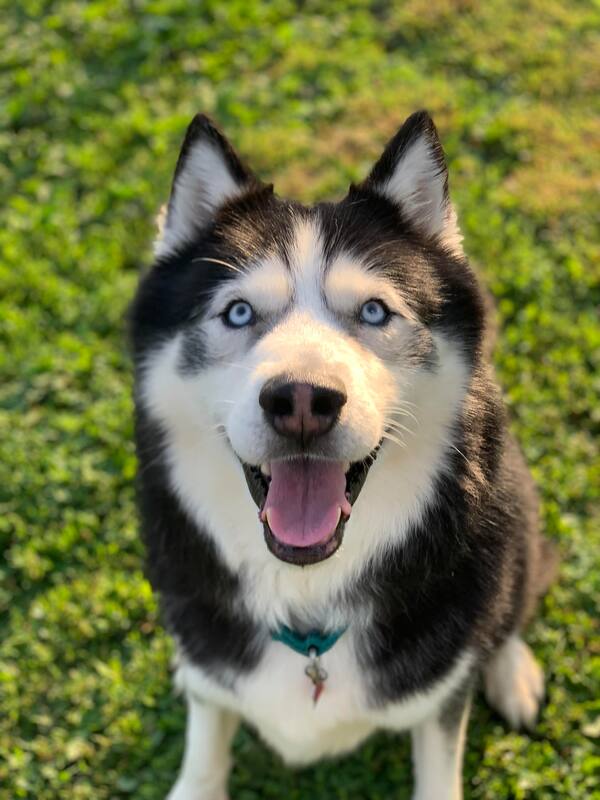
(95, 100)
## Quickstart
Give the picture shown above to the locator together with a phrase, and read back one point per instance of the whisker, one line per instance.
(460, 453)
(401, 413)
(403, 404)
(393, 439)
(218, 261)
(393, 410)
(396, 426)
(149, 464)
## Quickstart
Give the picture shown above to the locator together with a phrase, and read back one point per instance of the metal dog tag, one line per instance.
(316, 673)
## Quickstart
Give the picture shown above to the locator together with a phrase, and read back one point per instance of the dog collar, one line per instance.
(313, 643)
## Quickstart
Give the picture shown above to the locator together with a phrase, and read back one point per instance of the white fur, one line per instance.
(307, 264)
(514, 683)
(203, 184)
(437, 757)
(417, 185)
(206, 760)
(346, 280)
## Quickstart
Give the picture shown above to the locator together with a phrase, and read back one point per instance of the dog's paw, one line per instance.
(514, 684)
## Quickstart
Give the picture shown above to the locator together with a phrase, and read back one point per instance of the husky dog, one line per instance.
(341, 529)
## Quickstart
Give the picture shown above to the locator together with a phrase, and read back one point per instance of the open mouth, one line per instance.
(304, 504)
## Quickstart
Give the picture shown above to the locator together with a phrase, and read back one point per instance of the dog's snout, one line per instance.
(302, 411)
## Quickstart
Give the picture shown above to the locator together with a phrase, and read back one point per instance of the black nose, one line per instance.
(302, 411)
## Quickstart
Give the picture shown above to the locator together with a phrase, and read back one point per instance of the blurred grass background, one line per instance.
(95, 100)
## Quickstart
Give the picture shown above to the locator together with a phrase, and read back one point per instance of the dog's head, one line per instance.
(304, 337)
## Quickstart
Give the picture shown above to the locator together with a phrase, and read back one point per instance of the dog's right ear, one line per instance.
(207, 175)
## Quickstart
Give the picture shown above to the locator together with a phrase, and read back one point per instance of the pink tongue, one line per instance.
(304, 500)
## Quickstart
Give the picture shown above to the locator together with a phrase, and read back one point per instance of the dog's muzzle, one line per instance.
(304, 545)
(304, 496)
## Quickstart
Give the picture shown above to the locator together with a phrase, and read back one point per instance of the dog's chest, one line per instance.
(277, 698)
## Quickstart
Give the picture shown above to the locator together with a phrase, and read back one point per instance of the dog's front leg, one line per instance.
(437, 750)
(206, 759)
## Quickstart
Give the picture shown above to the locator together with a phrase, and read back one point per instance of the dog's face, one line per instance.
(301, 335)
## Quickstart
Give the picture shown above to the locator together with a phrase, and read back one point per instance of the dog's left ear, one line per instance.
(412, 173)
(208, 174)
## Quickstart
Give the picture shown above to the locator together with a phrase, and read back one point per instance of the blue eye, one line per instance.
(239, 314)
(374, 312)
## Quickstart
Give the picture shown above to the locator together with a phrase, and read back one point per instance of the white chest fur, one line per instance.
(276, 698)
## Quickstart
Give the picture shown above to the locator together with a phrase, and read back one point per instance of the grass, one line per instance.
(97, 96)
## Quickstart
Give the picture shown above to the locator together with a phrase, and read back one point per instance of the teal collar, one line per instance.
(312, 641)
